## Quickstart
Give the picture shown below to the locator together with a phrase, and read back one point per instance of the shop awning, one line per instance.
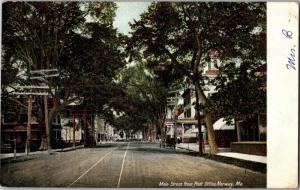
(20, 128)
(222, 125)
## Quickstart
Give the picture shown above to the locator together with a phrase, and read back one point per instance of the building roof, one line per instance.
(222, 125)
(212, 72)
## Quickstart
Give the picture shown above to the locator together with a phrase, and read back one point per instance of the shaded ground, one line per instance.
(123, 165)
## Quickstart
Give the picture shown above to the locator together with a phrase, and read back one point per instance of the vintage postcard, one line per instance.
(149, 94)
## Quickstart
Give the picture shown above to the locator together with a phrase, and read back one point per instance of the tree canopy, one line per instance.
(148, 98)
(76, 38)
(172, 43)
(177, 38)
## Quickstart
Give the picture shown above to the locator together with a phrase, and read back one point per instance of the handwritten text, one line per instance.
(291, 59)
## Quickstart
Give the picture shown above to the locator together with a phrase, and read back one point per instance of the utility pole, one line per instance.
(85, 128)
(93, 130)
(37, 91)
(176, 112)
(175, 126)
(32, 91)
(47, 123)
(74, 131)
(42, 75)
(27, 146)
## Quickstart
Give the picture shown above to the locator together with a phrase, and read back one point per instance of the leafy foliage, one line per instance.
(76, 38)
(177, 38)
(166, 34)
(147, 95)
(47, 35)
(241, 95)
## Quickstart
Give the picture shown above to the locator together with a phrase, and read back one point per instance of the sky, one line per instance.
(126, 12)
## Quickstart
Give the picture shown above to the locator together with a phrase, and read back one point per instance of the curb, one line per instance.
(255, 166)
(34, 156)
(187, 149)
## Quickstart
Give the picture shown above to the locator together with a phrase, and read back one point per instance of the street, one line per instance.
(126, 164)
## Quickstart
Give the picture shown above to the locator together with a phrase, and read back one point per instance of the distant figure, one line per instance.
(178, 140)
(61, 143)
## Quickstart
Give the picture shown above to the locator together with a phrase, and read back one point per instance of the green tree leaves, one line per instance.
(76, 38)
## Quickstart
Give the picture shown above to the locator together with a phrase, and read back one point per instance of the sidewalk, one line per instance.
(44, 152)
(195, 147)
(225, 152)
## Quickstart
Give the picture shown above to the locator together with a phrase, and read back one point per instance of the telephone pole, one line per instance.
(27, 145)
(41, 90)
(33, 91)
(42, 75)
(47, 123)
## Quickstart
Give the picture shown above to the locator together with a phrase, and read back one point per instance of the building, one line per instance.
(103, 130)
(11, 131)
(186, 122)
(68, 130)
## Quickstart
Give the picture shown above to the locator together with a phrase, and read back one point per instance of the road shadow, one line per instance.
(162, 150)
(109, 145)
(151, 148)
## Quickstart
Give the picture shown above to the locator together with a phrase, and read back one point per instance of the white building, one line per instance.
(67, 129)
(103, 130)
(185, 100)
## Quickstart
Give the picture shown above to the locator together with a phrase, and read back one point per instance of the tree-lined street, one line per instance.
(134, 164)
(185, 72)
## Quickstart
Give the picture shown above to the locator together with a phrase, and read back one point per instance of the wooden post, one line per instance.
(84, 126)
(73, 130)
(27, 146)
(93, 130)
(258, 126)
(175, 129)
(15, 148)
(47, 124)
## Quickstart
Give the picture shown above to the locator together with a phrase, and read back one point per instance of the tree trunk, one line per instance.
(208, 121)
(46, 141)
(238, 130)
(200, 137)
(162, 136)
(155, 131)
(52, 114)
(211, 134)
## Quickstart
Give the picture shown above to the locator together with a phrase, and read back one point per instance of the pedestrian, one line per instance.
(159, 142)
(61, 143)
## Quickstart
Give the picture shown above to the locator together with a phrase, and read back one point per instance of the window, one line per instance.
(187, 98)
(187, 113)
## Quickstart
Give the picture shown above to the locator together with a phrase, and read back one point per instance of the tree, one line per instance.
(58, 35)
(147, 95)
(178, 38)
(241, 94)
